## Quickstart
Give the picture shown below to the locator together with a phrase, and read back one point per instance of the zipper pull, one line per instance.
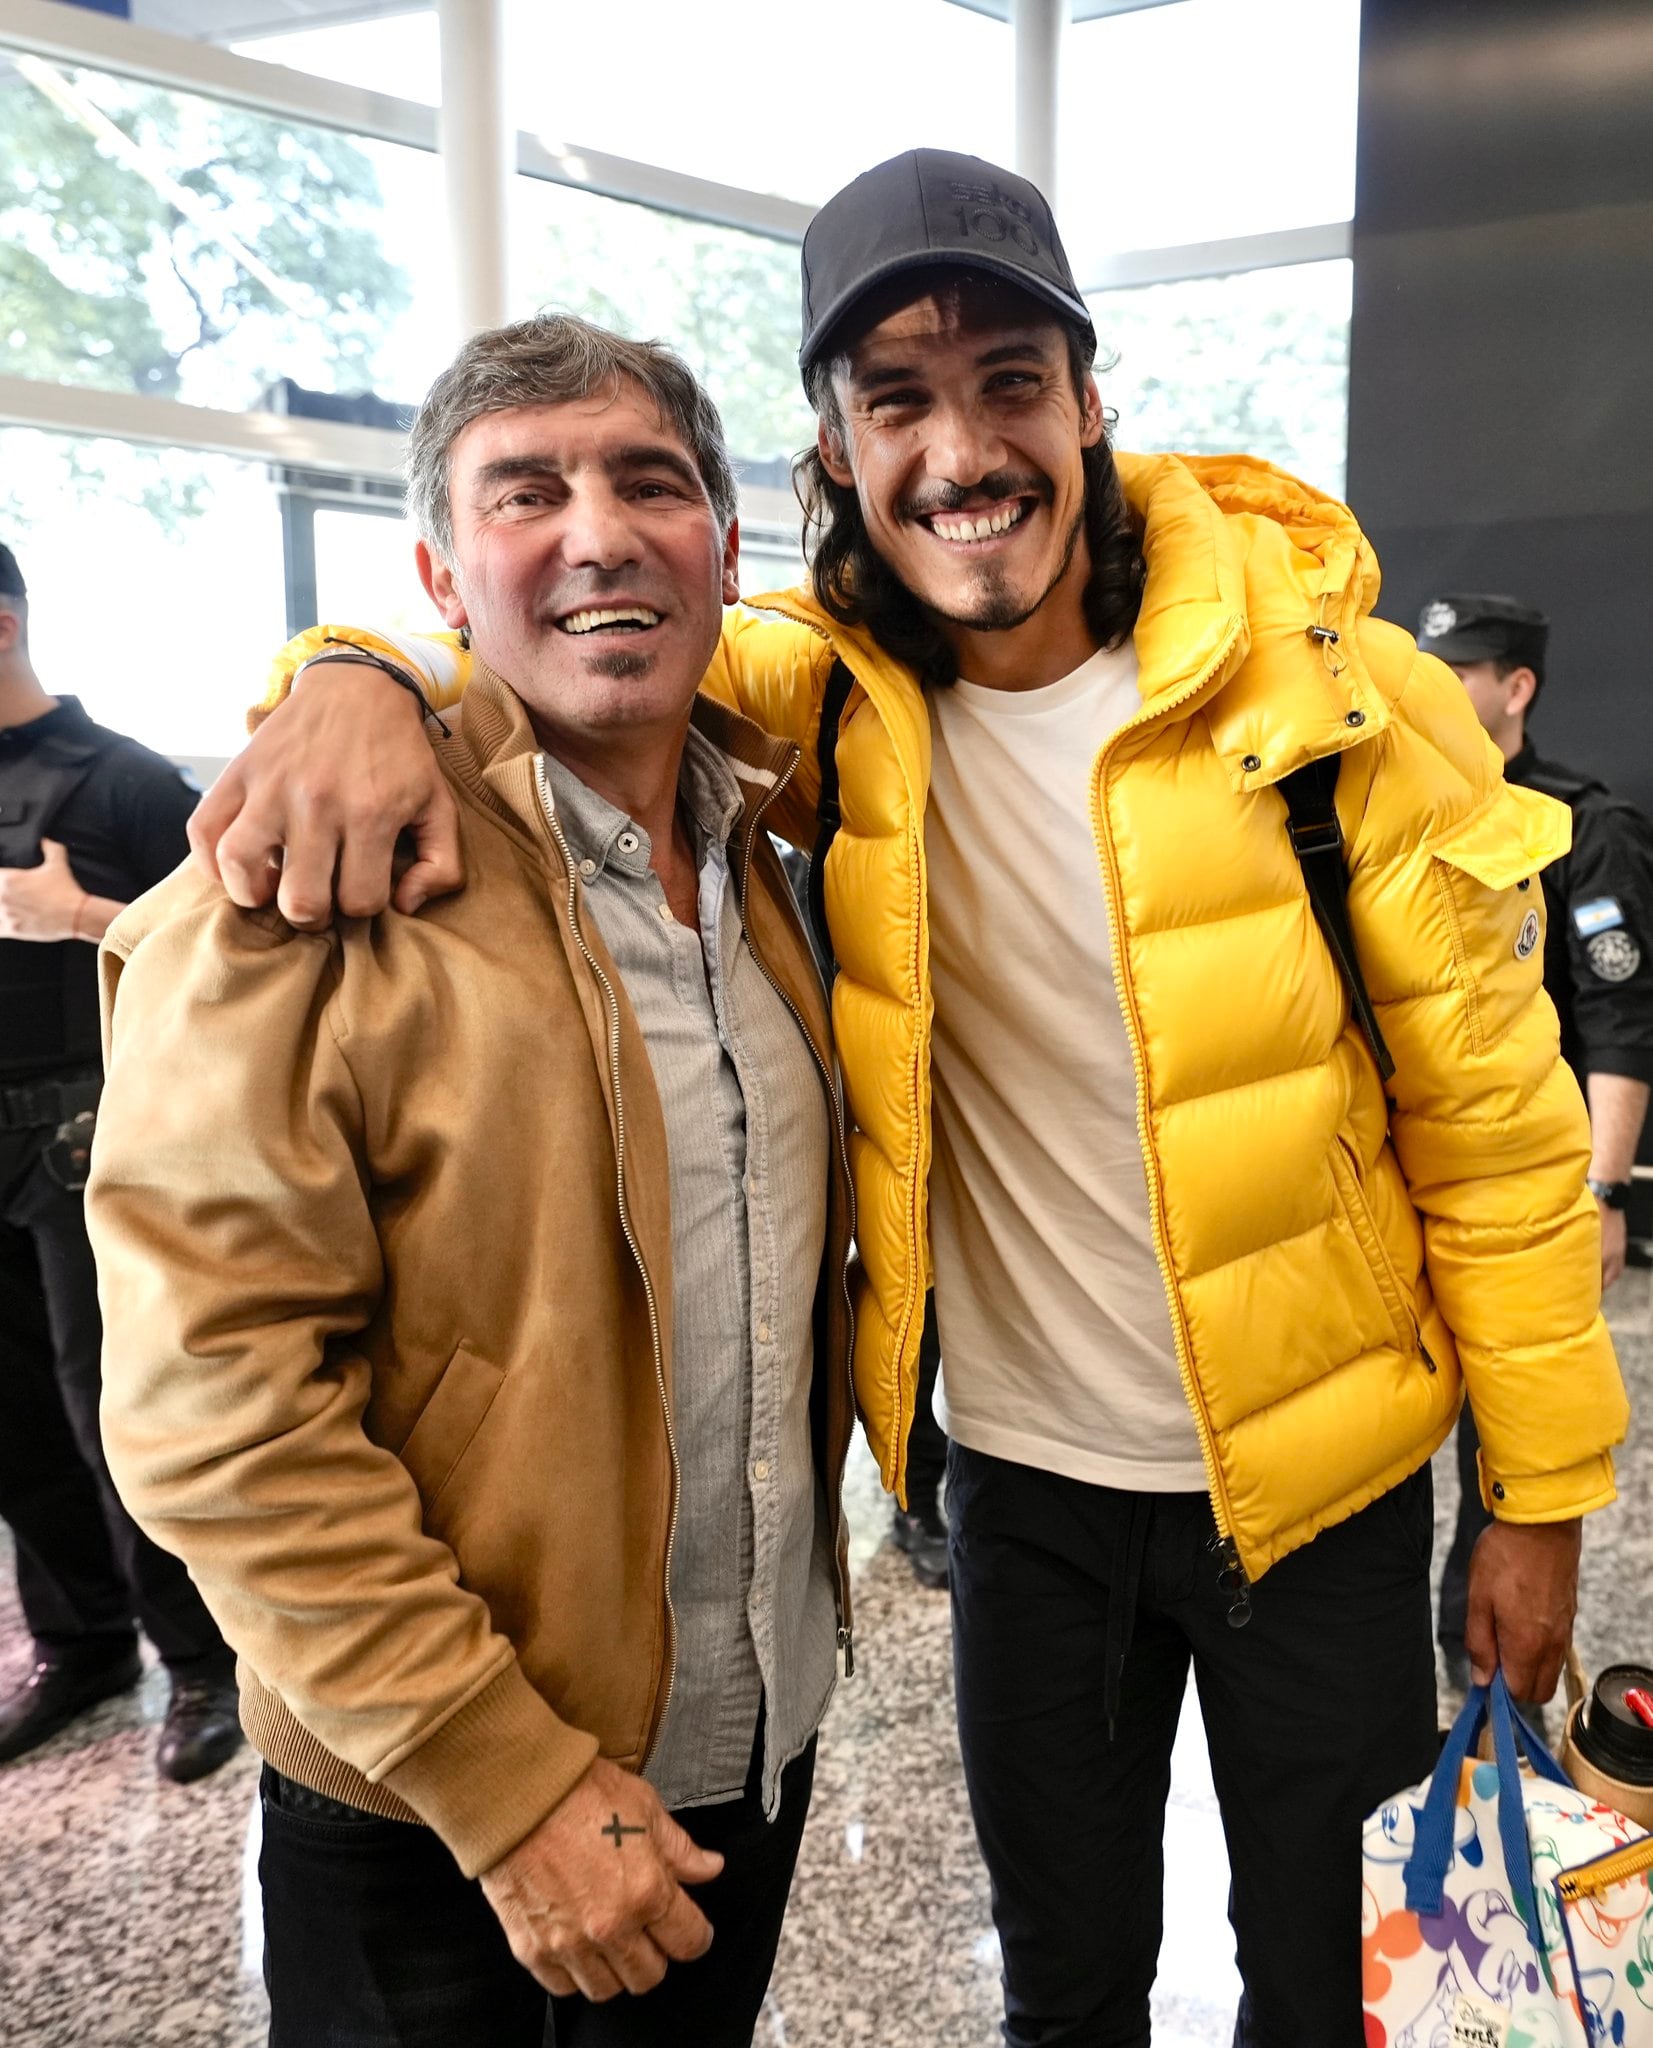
(1233, 1581)
(846, 1643)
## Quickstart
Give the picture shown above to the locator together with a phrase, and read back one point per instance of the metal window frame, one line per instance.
(278, 438)
(1279, 249)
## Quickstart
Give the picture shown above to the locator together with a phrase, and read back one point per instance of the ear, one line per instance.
(1092, 424)
(1520, 688)
(830, 442)
(731, 564)
(11, 630)
(440, 582)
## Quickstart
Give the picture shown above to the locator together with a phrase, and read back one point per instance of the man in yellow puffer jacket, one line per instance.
(1209, 1290)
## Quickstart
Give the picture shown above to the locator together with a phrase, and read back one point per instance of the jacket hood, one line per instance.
(1256, 591)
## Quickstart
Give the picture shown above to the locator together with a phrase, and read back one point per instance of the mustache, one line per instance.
(999, 485)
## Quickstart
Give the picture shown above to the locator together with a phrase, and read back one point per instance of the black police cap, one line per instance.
(928, 209)
(11, 577)
(1478, 626)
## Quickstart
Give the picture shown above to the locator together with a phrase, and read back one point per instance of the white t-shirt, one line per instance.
(1056, 1336)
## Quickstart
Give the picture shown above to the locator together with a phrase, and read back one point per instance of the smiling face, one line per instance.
(588, 563)
(962, 434)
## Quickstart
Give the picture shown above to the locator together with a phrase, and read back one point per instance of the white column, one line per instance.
(478, 143)
(1037, 25)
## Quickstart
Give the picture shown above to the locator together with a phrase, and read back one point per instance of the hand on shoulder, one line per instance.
(309, 812)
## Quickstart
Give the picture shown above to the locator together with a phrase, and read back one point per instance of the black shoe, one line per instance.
(202, 1728)
(56, 1692)
(922, 1534)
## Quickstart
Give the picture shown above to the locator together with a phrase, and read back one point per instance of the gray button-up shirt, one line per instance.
(747, 1136)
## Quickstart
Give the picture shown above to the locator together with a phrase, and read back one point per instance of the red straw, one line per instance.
(1640, 1703)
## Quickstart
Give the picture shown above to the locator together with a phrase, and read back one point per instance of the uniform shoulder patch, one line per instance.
(1601, 914)
(1613, 956)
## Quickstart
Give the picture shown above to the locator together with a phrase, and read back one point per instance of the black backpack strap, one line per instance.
(1317, 840)
(829, 816)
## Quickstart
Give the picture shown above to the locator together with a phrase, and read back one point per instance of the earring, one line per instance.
(465, 638)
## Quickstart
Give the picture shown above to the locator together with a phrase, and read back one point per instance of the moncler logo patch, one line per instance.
(1438, 618)
(1526, 942)
(1613, 956)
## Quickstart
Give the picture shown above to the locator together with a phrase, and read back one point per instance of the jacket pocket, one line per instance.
(448, 1421)
(1397, 1298)
(1484, 870)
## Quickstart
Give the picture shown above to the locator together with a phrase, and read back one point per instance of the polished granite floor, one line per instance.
(126, 1917)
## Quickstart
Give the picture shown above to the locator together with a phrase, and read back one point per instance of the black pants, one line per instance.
(373, 1939)
(1317, 1710)
(1473, 1521)
(927, 1440)
(85, 1571)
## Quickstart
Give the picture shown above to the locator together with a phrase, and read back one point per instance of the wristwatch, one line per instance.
(1612, 1194)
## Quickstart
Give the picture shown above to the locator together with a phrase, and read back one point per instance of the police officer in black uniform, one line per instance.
(1598, 902)
(88, 820)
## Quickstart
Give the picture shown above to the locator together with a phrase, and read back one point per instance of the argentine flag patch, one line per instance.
(1602, 915)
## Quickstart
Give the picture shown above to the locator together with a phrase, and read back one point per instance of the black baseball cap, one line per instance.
(1476, 626)
(921, 211)
(11, 577)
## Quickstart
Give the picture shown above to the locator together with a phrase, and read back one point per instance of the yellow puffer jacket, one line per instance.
(1337, 1266)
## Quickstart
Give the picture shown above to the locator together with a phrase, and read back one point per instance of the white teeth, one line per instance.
(588, 622)
(982, 528)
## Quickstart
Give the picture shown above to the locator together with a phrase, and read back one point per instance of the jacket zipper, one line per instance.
(1233, 1578)
(1635, 1859)
(548, 806)
(846, 1619)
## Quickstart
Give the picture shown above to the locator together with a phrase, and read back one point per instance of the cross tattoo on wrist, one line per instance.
(616, 1830)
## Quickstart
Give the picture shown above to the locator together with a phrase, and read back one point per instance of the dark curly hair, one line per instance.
(853, 583)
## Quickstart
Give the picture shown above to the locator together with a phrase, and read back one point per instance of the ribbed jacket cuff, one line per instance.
(490, 1774)
(1550, 1496)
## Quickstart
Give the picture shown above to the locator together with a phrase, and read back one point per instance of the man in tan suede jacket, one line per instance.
(474, 1285)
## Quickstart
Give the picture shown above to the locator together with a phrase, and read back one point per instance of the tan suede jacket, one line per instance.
(384, 1250)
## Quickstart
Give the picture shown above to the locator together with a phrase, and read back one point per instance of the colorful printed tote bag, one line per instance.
(1503, 1908)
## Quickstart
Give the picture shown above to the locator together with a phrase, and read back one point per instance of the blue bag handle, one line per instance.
(1507, 1723)
(1431, 1856)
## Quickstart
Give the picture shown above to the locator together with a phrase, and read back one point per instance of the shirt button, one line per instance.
(760, 1470)
(763, 1333)
(628, 842)
(588, 868)
(665, 913)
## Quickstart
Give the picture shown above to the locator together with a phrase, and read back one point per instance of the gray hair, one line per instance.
(552, 359)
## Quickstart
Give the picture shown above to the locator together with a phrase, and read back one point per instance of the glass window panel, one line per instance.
(774, 561)
(155, 582)
(727, 300)
(1205, 119)
(1257, 363)
(157, 242)
(365, 571)
(774, 95)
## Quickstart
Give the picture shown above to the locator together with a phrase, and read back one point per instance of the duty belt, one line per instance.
(48, 1103)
